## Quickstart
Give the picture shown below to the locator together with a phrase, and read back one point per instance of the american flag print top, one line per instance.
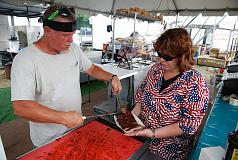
(185, 101)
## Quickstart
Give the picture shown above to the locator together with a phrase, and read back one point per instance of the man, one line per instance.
(45, 78)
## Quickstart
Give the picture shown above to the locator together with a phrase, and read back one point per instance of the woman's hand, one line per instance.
(140, 132)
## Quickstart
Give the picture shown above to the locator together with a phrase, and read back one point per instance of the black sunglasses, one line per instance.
(165, 57)
(64, 11)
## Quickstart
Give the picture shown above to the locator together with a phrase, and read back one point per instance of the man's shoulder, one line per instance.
(28, 50)
(26, 54)
(75, 48)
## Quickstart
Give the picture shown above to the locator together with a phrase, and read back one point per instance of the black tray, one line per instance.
(135, 156)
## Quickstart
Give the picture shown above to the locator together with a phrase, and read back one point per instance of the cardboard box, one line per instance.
(212, 62)
(214, 52)
(222, 55)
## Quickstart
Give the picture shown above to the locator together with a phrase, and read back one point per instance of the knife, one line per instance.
(98, 115)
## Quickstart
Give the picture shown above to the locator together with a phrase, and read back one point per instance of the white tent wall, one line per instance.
(166, 7)
(100, 34)
(221, 39)
(123, 28)
(200, 23)
(23, 21)
(196, 34)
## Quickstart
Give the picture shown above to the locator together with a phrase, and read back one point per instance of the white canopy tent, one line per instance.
(182, 8)
(166, 7)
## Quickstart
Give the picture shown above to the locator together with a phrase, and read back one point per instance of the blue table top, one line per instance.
(222, 120)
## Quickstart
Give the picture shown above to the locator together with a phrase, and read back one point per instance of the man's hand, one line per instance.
(116, 85)
(72, 119)
(100, 74)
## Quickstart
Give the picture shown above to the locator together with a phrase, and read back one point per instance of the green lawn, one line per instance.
(6, 111)
(94, 86)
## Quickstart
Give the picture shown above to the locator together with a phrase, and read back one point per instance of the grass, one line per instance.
(94, 86)
(6, 110)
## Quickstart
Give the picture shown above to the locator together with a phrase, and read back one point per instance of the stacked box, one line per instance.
(212, 62)
(222, 55)
(214, 52)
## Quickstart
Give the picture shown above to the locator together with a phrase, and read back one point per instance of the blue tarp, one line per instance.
(222, 120)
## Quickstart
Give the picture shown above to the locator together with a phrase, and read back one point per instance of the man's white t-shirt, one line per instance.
(50, 80)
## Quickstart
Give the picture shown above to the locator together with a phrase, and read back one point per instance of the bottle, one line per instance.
(232, 146)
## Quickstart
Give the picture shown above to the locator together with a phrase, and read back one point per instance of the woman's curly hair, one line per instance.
(177, 43)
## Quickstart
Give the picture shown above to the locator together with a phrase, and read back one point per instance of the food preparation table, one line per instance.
(98, 139)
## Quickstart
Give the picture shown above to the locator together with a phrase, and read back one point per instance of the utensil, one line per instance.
(118, 100)
(122, 109)
(99, 115)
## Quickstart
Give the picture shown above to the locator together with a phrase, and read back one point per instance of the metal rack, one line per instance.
(135, 16)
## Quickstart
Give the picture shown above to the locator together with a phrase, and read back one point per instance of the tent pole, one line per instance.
(201, 28)
(185, 21)
(229, 40)
(81, 37)
(176, 19)
(134, 29)
(211, 29)
(12, 29)
(113, 6)
(113, 36)
(113, 32)
(231, 33)
(190, 21)
(176, 8)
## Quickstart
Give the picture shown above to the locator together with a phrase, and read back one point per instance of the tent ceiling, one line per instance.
(166, 7)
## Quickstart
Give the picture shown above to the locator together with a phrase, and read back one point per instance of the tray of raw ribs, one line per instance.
(97, 140)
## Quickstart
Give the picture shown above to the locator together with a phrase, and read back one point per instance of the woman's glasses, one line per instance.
(165, 57)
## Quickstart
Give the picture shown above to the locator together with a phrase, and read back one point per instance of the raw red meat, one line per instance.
(93, 141)
(126, 119)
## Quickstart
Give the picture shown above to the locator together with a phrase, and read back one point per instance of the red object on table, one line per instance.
(93, 141)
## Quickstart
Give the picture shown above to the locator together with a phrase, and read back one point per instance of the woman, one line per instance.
(173, 98)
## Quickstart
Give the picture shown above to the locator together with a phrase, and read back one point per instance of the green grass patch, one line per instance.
(94, 86)
(6, 110)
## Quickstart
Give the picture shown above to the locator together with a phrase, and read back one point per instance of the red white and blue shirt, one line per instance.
(184, 101)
